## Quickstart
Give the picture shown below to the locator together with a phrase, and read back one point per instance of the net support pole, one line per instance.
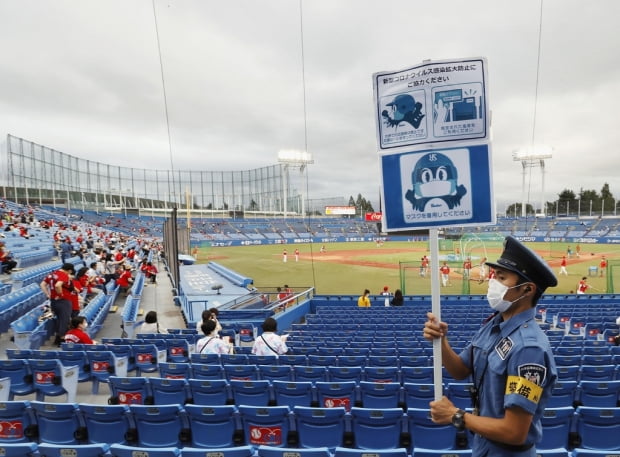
(436, 309)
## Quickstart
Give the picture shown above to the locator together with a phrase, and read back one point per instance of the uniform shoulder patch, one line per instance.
(503, 347)
(533, 372)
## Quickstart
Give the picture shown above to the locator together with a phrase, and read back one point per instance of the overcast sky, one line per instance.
(83, 77)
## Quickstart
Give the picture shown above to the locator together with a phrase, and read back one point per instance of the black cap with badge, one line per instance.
(526, 263)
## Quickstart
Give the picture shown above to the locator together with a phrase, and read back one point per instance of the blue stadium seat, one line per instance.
(275, 372)
(322, 360)
(159, 426)
(352, 361)
(121, 450)
(269, 451)
(214, 426)
(18, 422)
(209, 391)
(234, 359)
(344, 374)
(252, 393)
(598, 428)
(556, 424)
(124, 350)
(18, 371)
(597, 373)
(104, 364)
(413, 361)
(175, 370)
(564, 393)
(377, 428)
(418, 395)
(51, 378)
(320, 427)
(77, 450)
(106, 423)
(76, 358)
(337, 394)
(265, 426)
(207, 371)
(459, 394)
(169, 391)
(427, 434)
(600, 394)
(379, 395)
(293, 359)
(58, 423)
(254, 359)
(177, 350)
(382, 374)
(568, 372)
(147, 357)
(310, 373)
(129, 391)
(12, 354)
(417, 375)
(205, 358)
(292, 394)
(381, 361)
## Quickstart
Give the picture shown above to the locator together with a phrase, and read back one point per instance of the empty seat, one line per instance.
(173, 370)
(344, 374)
(51, 378)
(275, 372)
(380, 394)
(241, 372)
(336, 394)
(214, 426)
(556, 424)
(598, 428)
(159, 426)
(310, 373)
(426, 434)
(254, 393)
(602, 394)
(382, 374)
(564, 393)
(207, 371)
(209, 391)
(269, 451)
(106, 423)
(169, 391)
(18, 422)
(239, 451)
(20, 375)
(265, 426)
(58, 423)
(292, 394)
(319, 427)
(377, 428)
(129, 391)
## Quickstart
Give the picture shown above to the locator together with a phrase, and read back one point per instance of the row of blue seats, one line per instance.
(588, 372)
(18, 303)
(220, 427)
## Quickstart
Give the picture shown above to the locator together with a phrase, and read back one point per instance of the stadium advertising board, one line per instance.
(340, 210)
(373, 217)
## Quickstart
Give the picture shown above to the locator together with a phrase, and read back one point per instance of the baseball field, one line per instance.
(349, 268)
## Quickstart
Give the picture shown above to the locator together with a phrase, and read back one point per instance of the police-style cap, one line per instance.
(526, 263)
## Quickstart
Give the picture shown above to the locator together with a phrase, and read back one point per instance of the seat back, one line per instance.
(209, 391)
(377, 428)
(254, 393)
(556, 424)
(598, 428)
(18, 371)
(58, 423)
(336, 394)
(382, 374)
(207, 371)
(318, 427)
(267, 426)
(380, 394)
(121, 450)
(169, 391)
(427, 434)
(564, 393)
(601, 394)
(310, 373)
(459, 393)
(159, 426)
(145, 357)
(173, 370)
(241, 372)
(292, 394)
(418, 395)
(214, 426)
(345, 374)
(129, 391)
(17, 422)
(275, 372)
(106, 423)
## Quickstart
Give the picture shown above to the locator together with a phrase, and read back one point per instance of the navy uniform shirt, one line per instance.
(513, 366)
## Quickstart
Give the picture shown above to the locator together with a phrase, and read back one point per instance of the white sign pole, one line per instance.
(436, 309)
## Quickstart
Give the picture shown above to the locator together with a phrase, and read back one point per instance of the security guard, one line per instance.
(509, 360)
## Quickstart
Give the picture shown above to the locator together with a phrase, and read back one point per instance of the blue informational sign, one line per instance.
(434, 102)
(437, 188)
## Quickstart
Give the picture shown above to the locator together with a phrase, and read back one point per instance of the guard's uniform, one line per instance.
(512, 365)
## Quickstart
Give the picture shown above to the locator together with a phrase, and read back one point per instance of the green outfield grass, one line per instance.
(349, 268)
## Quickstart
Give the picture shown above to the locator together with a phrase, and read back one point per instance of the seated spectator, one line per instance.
(210, 315)
(270, 343)
(77, 331)
(150, 324)
(6, 260)
(211, 343)
(125, 280)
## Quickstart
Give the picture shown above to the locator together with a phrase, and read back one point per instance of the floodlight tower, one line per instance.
(530, 157)
(296, 159)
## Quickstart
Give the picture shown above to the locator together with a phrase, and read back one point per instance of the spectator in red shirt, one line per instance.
(151, 272)
(58, 287)
(125, 280)
(77, 332)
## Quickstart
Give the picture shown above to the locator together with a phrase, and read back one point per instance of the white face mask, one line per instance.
(496, 293)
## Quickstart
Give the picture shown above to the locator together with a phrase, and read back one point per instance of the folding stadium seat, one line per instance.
(58, 423)
(293, 359)
(239, 451)
(568, 372)
(598, 428)
(124, 350)
(275, 372)
(269, 451)
(247, 333)
(104, 364)
(234, 359)
(147, 357)
(321, 427)
(335, 350)
(346, 452)
(252, 393)
(76, 358)
(352, 361)
(418, 395)
(18, 422)
(598, 359)
(382, 374)
(355, 351)
(381, 360)
(377, 351)
(293, 394)
(159, 426)
(215, 392)
(564, 394)
(556, 424)
(380, 394)
(12, 354)
(51, 378)
(337, 394)
(106, 423)
(413, 361)
(178, 350)
(121, 450)
(265, 426)
(175, 370)
(426, 434)
(599, 394)
(254, 359)
(167, 391)
(214, 426)
(207, 371)
(18, 371)
(344, 374)
(241, 372)
(595, 350)
(597, 372)
(568, 350)
(129, 391)
(564, 360)
(44, 354)
(77, 450)
(377, 428)
(197, 357)
(310, 373)
(321, 360)
(19, 450)
(459, 394)
(418, 375)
